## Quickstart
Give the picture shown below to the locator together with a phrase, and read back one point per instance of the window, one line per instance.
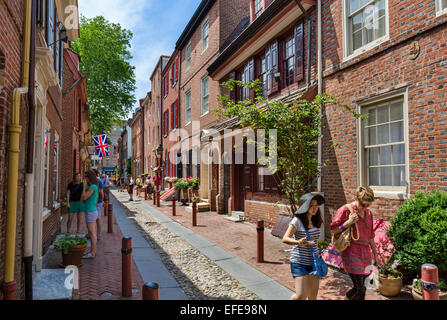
(366, 22)
(56, 169)
(204, 96)
(441, 7)
(188, 107)
(174, 74)
(174, 117)
(247, 76)
(166, 123)
(384, 145)
(260, 179)
(289, 61)
(205, 35)
(259, 7)
(46, 164)
(188, 57)
(49, 30)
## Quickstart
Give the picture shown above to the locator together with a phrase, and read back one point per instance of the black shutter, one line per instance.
(40, 13)
(233, 92)
(299, 52)
(251, 68)
(274, 84)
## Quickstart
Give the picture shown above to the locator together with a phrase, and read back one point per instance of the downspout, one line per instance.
(14, 130)
(320, 86)
(29, 177)
(179, 111)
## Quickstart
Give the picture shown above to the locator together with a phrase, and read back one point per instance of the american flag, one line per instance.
(46, 141)
(102, 149)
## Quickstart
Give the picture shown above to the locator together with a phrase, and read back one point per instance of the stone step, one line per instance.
(201, 207)
(234, 219)
(49, 284)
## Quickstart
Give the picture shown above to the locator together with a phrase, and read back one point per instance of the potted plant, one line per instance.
(193, 183)
(196, 199)
(72, 249)
(390, 281)
(182, 185)
(416, 289)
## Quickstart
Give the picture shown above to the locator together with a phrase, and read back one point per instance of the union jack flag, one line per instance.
(102, 149)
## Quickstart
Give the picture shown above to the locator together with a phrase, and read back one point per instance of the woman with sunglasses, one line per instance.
(357, 257)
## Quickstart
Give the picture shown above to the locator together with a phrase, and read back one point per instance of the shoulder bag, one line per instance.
(342, 240)
(320, 268)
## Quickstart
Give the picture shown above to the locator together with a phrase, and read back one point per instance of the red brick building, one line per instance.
(209, 28)
(154, 121)
(75, 130)
(390, 63)
(11, 46)
(171, 117)
(137, 153)
(272, 47)
(146, 114)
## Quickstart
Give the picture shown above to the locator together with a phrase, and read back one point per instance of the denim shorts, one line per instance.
(300, 270)
(91, 217)
(99, 208)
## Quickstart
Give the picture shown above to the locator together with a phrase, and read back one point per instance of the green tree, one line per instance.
(129, 166)
(294, 158)
(104, 51)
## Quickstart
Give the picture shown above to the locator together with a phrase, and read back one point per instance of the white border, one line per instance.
(439, 11)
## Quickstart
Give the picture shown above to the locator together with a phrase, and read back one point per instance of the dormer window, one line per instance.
(259, 8)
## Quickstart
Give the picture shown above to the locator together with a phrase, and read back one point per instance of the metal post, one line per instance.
(145, 193)
(158, 199)
(194, 214)
(173, 206)
(110, 218)
(260, 230)
(151, 291)
(126, 276)
(430, 282)
(106, 207)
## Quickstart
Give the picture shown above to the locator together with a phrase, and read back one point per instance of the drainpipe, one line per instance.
(179, 109)
(29, 178)
(320, 85)
(14, 130)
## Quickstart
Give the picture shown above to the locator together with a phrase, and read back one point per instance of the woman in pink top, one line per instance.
(357, 257)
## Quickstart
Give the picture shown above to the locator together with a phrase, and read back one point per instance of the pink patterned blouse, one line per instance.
(358, 255)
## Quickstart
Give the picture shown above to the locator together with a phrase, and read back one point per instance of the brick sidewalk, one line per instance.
(103, 274)
(239, 239)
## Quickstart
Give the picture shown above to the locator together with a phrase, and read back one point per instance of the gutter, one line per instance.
(29, 177)
(14, 129)
(320, 84)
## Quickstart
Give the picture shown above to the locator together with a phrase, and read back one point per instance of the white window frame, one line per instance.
(439, 10)
(187, 107)
(256, 14)
(188, 59)
(46, 163)
(347, 55)
(388, 192)
(202, 96)
(56, 169)
(207, 37)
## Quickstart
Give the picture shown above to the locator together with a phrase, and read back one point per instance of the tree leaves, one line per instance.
(104, 51)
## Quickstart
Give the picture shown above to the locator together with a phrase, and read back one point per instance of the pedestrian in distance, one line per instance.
(148, 185)
(130, 188)
(307, 218)
(357, 257)
(99, 205)
(106, 185)
(74, 204)
(90, 199)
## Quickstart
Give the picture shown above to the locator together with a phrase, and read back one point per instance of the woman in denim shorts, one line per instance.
(307, 217)
(90, 197)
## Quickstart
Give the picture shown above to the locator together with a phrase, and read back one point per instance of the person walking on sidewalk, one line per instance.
(130, 188)
(106, 183)
(148, 185)
(357, 257)
(307, 218)
(99, 205)
(74, 205)
(90, 199)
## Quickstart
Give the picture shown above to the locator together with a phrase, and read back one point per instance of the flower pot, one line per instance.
(74, 256)
(390, 287)
(417, 295)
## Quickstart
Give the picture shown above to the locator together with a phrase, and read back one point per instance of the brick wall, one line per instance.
(267, 211)
(372, 75)
(11, 26)
(51, 228)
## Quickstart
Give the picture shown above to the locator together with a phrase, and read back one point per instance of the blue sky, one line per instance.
(156, 26)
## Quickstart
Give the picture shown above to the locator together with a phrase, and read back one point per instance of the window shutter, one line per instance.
(251, 68)
(177, 125)
(299, 52)
(234, 91)
(248, 175)
(40, 13)
(177, 68)
(275, 67)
